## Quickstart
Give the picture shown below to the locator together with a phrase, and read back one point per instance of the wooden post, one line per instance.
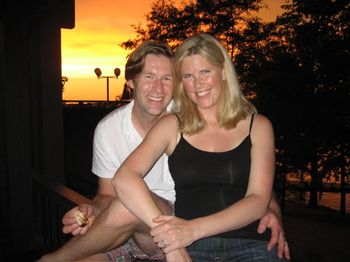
(342, 194)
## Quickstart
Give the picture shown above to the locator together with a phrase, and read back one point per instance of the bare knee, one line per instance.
(117, 215)
(164, 205)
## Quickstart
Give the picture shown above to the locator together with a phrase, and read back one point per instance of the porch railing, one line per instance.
(51, 201)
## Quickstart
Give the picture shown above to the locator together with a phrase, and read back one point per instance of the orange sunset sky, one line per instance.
(100, 27)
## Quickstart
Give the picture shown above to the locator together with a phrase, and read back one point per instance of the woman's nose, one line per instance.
(197, 82)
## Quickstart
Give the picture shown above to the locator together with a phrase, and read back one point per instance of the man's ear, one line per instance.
(130, 84)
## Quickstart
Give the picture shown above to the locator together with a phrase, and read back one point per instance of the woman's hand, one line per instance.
(272, 220)
(173, 233)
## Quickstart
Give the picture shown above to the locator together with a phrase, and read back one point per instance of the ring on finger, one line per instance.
(163, 244)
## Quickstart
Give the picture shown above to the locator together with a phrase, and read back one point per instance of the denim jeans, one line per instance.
(217, 249)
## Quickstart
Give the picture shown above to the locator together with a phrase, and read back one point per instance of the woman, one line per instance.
(221, 157)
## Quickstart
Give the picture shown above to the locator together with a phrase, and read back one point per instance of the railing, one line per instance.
(342, 189)
(94, 103)
(51, 202)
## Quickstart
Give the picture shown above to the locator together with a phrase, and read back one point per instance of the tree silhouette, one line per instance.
(316, 34)
(64, 79)
(168, 23)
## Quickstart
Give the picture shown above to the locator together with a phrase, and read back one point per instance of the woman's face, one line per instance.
(202, 81)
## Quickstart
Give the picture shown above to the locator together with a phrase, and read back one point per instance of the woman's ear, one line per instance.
(223, 74)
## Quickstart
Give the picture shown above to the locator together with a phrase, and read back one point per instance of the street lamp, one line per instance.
(99, 75)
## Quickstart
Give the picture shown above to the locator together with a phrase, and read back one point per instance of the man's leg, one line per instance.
(112, 228)
(141, 235)
(97, 258)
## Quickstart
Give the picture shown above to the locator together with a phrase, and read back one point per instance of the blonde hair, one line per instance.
(232, 107)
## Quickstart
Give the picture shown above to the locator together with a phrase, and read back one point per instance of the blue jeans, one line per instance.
(231, 250)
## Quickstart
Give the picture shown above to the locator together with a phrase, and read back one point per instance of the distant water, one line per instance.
(326, 199)
(332, 200)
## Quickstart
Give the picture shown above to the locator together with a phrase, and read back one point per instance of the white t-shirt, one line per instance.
(114, 139)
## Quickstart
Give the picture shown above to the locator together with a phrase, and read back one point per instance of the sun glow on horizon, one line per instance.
(79, 63)
(100, 27)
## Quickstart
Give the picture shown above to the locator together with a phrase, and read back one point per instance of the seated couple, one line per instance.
(212, 149)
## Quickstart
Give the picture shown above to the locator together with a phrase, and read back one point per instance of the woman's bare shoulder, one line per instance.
(167, 122)
(261, 121)
(169, 118)
(261, 128)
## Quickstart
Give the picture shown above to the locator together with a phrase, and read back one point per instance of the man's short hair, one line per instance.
(136, 60)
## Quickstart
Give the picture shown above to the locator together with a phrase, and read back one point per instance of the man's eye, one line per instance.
(168, 78)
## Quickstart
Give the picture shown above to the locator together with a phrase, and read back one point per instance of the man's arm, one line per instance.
(105, 194)
(273, 220)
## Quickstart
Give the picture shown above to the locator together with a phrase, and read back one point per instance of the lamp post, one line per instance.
(99, 75)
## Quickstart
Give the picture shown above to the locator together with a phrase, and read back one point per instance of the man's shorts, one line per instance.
(130, 252)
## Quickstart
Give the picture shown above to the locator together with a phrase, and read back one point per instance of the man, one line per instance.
(148, 73)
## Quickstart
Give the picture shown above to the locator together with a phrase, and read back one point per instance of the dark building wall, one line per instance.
(31, 131)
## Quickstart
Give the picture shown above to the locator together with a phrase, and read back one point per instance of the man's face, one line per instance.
(153, 88)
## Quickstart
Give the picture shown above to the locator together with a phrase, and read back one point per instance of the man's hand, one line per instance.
(70, 225)
(179, 255)
(173, 233)
(272, 220)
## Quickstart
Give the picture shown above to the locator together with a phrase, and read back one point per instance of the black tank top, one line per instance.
(207, 182)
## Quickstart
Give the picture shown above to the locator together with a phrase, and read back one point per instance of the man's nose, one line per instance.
(158, 85)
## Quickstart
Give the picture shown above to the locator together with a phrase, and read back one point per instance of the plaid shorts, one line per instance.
(130, 252)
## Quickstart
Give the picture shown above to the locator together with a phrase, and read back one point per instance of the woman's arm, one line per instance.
(253, 206)
(256, 201)
(128, 180)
